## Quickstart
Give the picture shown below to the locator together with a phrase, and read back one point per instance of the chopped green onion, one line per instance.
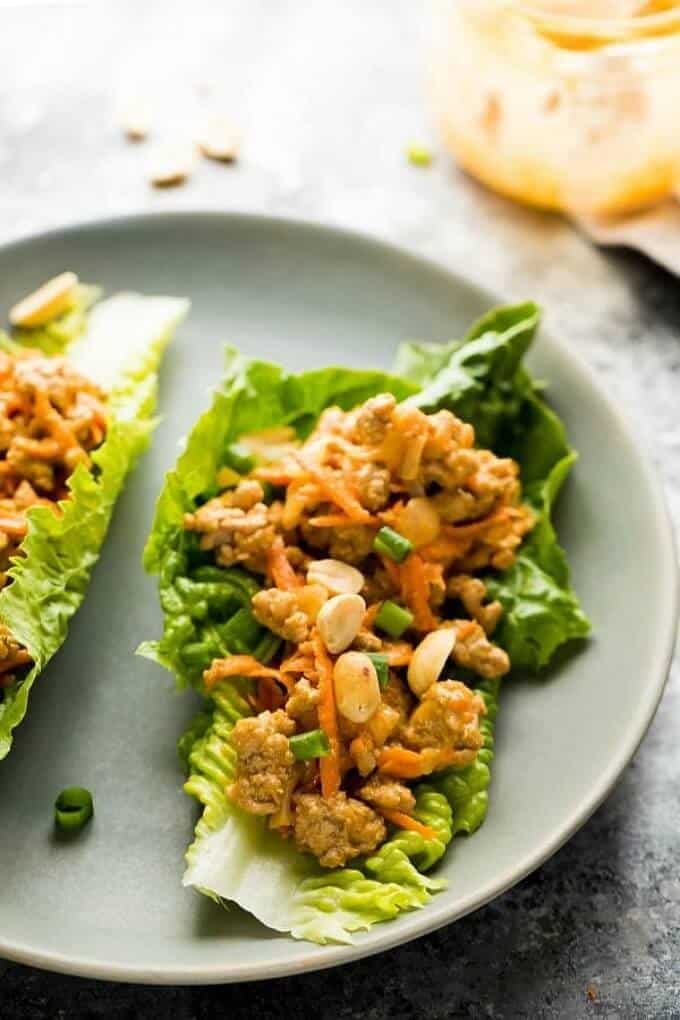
(390, 543)
(310, 745)
(382, 669)
(73, 809)
(393, 619)
(419, 155)
(239, 458)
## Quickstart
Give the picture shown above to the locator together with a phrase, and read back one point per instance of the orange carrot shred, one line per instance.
(236, 665)
(399, 653)
(455, 540)
(400, 763)
(339, 492)
(415, 590)
(269, 695)
(297, 664)
(370, 615)
(337, 521)
(279, 567)
(404, 821)
(329, 767)
(444, 549)
(474, 529)
(393, 571)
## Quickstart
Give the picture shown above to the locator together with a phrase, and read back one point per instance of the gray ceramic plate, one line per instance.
(111, 904)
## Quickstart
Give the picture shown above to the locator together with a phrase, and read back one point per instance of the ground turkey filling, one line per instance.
(325, 590)
(50, 419)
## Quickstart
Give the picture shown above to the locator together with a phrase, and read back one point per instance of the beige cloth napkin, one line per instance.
(655, 232)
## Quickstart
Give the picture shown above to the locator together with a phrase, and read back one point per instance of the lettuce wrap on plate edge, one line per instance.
(235, 856)
(117, 344)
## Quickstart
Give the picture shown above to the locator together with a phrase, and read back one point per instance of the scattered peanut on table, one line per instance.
(217, 141)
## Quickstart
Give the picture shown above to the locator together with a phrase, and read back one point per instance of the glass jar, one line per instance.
(562, 111)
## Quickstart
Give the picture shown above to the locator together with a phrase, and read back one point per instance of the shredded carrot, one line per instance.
(443, 550)
(279, 567)
(474, 529)
(329, 767)
(297, 664)
(338, 491)
(391, 515)
(236, 665)
(401, 763)
(285, 681)
(337, 521)
(393, 571)
(399, 653)
(415, 589)
(300, 494)
(434, 573)
(370, 615)
(404, 821)
(269, 695)
(455, 540)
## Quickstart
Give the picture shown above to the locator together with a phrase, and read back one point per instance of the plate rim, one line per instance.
(437, 914)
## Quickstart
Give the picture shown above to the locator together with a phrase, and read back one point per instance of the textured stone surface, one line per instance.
(327, 96)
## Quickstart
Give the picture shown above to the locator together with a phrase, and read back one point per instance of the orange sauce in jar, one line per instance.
(561, 109)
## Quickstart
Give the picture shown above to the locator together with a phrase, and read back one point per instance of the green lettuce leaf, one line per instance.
(541, 610)
(121, 349)
(199, 600)
(236, 857)
(482, 379)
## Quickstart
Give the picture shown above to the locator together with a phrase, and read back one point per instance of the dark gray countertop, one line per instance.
(328, 95)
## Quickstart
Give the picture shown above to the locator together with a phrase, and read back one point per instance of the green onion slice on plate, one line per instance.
(73, 809)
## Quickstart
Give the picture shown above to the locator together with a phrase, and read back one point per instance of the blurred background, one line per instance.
(360, 114)
(329, 103)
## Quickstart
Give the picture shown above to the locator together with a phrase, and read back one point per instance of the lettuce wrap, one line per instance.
(118, 344)
(235, 856)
